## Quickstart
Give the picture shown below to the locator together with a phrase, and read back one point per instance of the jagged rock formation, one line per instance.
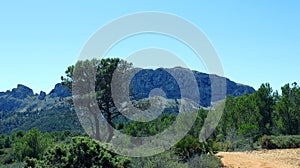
(59, 91)
(211, 87)
(22, 99)
(42, 95)
(21, 109)
(21, 92)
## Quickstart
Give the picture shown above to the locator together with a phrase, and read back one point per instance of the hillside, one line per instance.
(21, 109)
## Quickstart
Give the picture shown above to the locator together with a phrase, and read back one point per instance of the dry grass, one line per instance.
(287, 158)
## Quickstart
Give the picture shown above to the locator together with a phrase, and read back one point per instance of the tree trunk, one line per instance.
(97, 125)
(110, 127)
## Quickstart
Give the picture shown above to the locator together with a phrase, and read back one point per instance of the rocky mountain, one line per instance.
(210, 87)
(22, 99)
(22, 109)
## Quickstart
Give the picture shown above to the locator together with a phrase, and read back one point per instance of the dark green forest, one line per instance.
(262, 120)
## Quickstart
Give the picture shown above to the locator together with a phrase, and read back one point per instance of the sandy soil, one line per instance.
(285, 158)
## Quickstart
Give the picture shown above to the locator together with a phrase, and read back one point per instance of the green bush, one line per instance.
(280, 142)
(266, 142)
(164, 160)
(32, 145)
(31, 162)
(5, 141)
(205, 161)
(188, 147)
(238, 145)
(81, 152)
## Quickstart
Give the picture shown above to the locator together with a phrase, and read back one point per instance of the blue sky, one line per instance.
(257, 41)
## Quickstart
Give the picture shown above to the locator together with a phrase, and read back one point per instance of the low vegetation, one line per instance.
(280, 142)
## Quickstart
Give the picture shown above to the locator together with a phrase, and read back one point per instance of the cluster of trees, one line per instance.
(247, 118)
(263, 113)
(187, 148)
(18, 145)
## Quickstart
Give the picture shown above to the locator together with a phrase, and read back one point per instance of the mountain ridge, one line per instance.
(211, 87)
(22, 98)
(21, 109)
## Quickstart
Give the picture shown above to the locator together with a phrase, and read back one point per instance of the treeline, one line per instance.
(264, 113)
(248, 118)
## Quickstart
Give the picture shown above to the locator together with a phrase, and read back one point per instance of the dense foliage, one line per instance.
(280, 142)
(80, 152)
(33, 144)
(247, 118)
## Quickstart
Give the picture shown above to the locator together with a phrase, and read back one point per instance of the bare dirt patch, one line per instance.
(279, 158)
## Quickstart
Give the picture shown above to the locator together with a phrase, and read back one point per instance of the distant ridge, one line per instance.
(21, 109)
(23, 99)
(209, 86)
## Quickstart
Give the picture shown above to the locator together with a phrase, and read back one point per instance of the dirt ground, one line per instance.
(285, 158)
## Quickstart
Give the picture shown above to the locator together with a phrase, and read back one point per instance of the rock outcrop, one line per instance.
(22, 99)
(21, 92)
(42, 95)
(177, 81)
(59, 91)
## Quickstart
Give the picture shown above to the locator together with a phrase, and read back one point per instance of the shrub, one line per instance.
(81, 152)
(5, 141)
(205, 161)
(30, 162)
(32, 145)
(280, 142)
(239, 145)
(266, 142)
(188, 147)
(166, 160)
(8, 159)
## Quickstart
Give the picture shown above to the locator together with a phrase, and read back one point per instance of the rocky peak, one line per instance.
(42, 95)
(21, 92)
(59, 91)
(22, 99)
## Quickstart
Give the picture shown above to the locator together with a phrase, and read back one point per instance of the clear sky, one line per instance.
(257, 41)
